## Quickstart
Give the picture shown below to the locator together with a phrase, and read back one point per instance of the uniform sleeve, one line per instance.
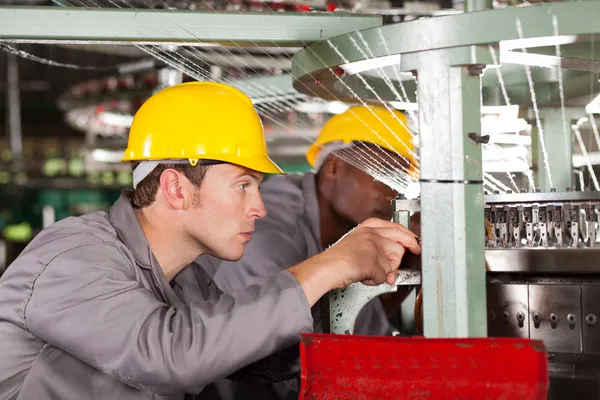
(268, 253)
(372, 320)
(272, 250)
(87, 303)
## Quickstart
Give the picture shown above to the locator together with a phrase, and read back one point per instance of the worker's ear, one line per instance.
(172, 188)
(332, 167)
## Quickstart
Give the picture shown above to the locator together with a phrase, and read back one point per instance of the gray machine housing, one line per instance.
(543, 281)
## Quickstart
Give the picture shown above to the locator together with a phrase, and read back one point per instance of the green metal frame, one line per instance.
(448, 55)
(451, 31)
(311, 66)
(128, 26)
(546, 86)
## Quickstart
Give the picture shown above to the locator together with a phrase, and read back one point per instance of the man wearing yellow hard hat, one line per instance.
(102, 306)
(309, 212)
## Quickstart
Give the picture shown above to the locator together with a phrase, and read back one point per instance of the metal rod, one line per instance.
(14, 107)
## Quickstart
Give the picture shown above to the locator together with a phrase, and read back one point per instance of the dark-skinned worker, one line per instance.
(307, 213)
(102, 306)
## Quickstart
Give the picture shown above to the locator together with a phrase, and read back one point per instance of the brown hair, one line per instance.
(145, 192)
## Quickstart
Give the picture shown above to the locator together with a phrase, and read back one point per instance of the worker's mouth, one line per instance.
(246, 235)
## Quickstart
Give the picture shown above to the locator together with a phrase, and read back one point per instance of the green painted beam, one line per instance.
(514, 74)
(576, 84)
(129, 26)
(353, 84)
(310, 65)
(492, 26)
(577, 50)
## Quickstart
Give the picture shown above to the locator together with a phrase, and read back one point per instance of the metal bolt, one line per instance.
(553, 317)
(506, 315)
(591, 319)
(536, 317)
(479, 138)
(520, 316)
(496, 192)
(538, 190)
(571, 317)
(509, 191)
(553, 189)
(523, 190)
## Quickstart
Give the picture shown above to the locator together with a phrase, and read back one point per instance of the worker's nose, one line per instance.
(258, 209)
(387, 193)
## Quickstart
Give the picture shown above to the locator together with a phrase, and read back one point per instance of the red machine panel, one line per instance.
(359, 367)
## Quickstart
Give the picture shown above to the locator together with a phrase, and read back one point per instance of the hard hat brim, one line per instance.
(261, 164)
(258, 163)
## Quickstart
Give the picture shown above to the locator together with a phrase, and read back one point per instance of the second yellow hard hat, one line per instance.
(372, 124)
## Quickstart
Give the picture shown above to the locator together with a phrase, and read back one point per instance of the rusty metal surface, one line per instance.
(358, 367)
(345, 304)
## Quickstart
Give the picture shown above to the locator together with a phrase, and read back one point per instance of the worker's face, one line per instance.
(226, 206)
(357, 196)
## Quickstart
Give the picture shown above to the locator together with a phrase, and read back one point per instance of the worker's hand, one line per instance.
(371, 253)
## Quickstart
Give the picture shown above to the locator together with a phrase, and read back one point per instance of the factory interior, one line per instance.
(501, 99)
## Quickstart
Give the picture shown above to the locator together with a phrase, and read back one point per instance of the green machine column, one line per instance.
(449, 96)
(558, 139)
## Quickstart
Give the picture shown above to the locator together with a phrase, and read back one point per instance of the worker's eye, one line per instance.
(243, 186)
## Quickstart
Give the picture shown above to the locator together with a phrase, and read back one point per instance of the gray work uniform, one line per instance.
(86, 313)
(288, 235)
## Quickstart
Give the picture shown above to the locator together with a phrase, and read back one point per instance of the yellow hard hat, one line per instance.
(372, 124)
(200, 120)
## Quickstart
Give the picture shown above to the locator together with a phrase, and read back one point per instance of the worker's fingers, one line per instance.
(391, 278)
(381, 223)
(380, 272)
(394, 264)
(382, 265)
(401, 236)
(389, 257)
(370, 282)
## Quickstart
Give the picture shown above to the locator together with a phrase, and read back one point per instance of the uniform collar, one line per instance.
(122, 217)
